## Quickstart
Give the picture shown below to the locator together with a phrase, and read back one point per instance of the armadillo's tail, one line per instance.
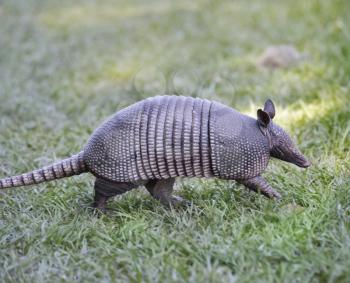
(68, 167)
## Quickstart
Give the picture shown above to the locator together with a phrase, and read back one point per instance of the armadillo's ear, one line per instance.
(263, 118)
(269, 108)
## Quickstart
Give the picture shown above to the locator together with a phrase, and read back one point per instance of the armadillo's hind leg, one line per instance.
(162, 190)
(105, 189)
(259, 184)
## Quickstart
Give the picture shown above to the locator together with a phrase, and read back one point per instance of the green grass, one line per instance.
(67, 65)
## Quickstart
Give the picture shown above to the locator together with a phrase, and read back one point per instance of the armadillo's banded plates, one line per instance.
(157, 138)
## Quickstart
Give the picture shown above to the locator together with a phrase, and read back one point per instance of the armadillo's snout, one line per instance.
(306, 164)
(301, 161)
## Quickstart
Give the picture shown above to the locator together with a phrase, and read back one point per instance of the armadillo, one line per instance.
(160, 138)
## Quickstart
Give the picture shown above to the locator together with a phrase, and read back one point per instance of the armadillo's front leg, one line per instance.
(162, 190)
(259, 184)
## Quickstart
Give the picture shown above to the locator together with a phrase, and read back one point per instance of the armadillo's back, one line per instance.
(157, 138)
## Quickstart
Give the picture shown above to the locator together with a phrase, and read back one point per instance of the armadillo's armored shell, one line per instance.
(157, 138)
(170, 136)
(239, 149)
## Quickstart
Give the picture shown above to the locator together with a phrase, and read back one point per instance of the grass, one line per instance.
(65, 67)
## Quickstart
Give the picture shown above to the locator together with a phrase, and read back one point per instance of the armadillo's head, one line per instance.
(281, 145)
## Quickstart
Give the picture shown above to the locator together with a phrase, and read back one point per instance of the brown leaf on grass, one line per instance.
(280, 56)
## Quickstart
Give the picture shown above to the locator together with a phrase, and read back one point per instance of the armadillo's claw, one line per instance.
(270, 193)
(258, 184)
(277, 196)
(177, 201)
(98, 211)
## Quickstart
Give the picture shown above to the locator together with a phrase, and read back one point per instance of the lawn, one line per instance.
(67, 65)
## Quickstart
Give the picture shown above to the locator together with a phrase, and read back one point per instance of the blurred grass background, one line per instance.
(65, 66)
